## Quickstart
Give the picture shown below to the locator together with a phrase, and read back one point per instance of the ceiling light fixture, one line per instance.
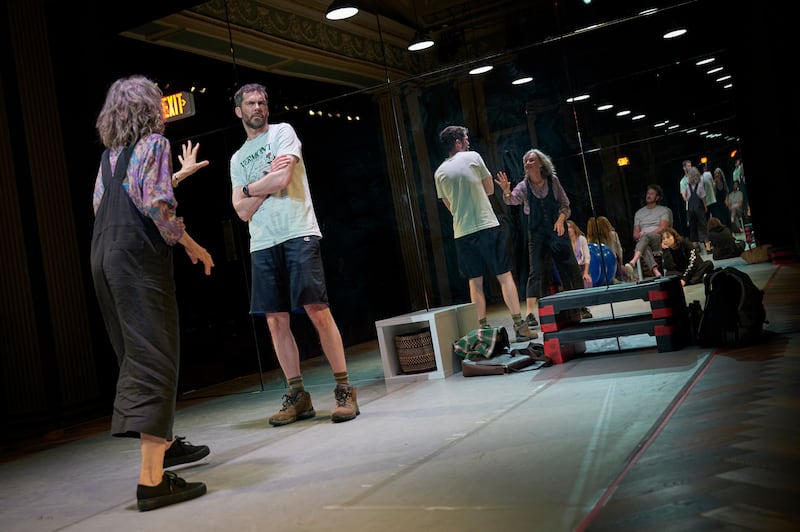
(522, 80)
(578, 98)
(674, 33)
(421, 41)
(605, 107)
(340, 10)
(481, 70)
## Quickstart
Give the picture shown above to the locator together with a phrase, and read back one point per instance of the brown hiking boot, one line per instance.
(346, 403)
(296, 405)
(524, 333)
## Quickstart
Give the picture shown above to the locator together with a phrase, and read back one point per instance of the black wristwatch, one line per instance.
(246, 191)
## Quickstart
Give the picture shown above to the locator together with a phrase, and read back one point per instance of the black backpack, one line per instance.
(734, 313)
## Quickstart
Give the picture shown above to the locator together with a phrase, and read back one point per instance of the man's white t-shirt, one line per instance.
(288, 213)
(459, 180)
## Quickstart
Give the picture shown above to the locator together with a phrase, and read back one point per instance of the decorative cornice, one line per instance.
(300, 29)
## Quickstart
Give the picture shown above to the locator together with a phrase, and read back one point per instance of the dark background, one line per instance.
(364, 267)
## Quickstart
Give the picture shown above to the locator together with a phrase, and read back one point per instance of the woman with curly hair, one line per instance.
(547, 206)
(135, 229)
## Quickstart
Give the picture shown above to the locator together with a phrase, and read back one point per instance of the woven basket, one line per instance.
(415, 352)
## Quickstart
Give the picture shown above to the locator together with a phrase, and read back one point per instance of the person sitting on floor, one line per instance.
(725, 246)
(680, 257)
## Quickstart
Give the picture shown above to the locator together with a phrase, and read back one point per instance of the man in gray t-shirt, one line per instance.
(648, 224)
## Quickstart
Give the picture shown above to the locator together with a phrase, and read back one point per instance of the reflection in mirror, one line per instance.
(612, 119)
(613, 103)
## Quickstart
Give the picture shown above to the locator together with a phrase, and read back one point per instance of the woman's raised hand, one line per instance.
(503, 182)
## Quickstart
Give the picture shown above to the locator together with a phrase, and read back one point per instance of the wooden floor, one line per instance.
(727, 455)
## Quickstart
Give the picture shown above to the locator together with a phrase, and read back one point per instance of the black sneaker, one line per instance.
(173, 489)
(531, 321)
(183, 452)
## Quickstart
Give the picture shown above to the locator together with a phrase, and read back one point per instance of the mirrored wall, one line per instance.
(615, 101)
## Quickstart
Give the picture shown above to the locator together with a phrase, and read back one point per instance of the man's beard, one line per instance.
(255, 122)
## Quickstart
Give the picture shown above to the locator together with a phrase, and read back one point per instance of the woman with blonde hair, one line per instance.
(695, 197)
(600, 231)
(581, 249)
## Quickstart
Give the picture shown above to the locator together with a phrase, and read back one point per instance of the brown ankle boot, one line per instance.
(296, 405)
(346, 403)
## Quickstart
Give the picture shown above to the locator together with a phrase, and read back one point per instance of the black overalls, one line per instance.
(546, 248)
(133, 277)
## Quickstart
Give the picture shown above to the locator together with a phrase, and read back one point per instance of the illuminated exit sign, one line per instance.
(177, 106)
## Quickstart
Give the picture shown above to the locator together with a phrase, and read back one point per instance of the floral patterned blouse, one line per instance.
(149, 185)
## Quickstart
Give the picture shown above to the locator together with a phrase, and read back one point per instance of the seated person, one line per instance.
(722, 240)
(600, 231)
(680, 257)
(649, 223)
(735, 203)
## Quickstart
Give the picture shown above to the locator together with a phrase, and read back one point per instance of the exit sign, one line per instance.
(177, 106)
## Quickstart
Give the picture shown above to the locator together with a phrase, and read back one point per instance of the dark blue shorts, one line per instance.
(482, 252)
(288, 276)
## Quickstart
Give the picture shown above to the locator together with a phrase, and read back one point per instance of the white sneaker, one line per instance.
(630, 271)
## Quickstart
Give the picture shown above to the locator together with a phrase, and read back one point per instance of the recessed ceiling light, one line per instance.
(637, 117)
(578, 98)
(724, 78)
(714, 70)
(674, 33)
(481, 69)
(705, 61)
(605, 107)
(623, 113)
(522, 81)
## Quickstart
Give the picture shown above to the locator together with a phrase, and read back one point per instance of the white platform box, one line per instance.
(447, 324)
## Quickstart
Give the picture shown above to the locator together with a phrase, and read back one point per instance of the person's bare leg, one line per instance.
(477, 296)
(532, 304)
(152, 467)
(329, 336)
(510, 293)
(284, 343)
(331, 339)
